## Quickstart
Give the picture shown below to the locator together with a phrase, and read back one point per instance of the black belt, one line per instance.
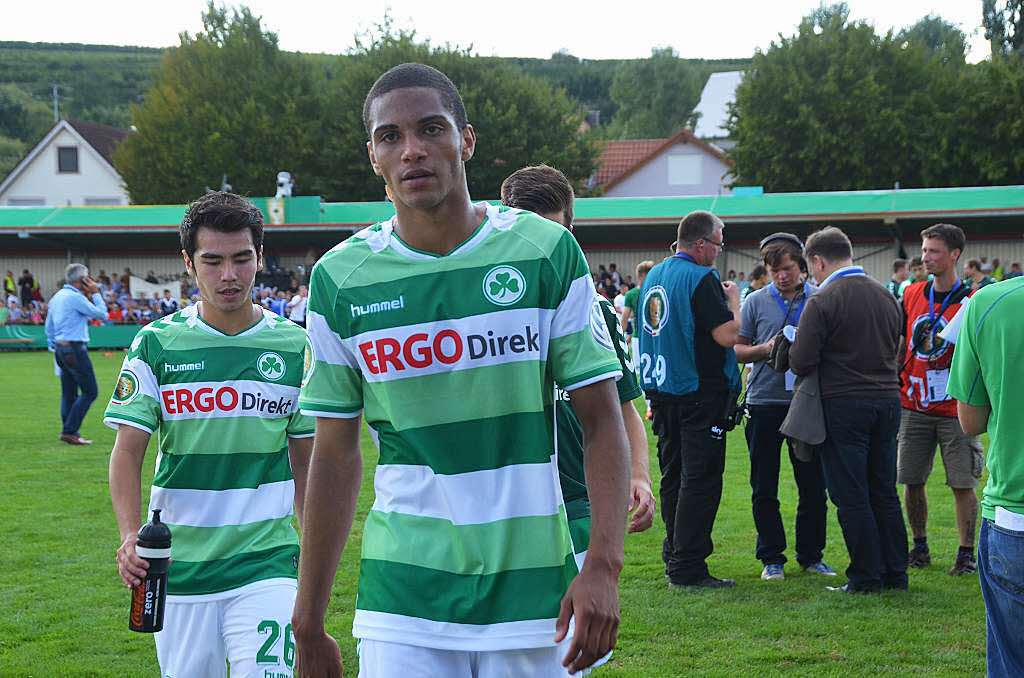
(69, 343)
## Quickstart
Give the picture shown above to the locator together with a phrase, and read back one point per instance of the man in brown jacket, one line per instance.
(850, 333)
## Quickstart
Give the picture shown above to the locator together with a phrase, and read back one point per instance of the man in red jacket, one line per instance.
(929, 413)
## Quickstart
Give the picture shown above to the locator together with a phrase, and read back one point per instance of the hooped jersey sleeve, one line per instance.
(581, 349)
(332, 384)
(628, 385)
(136, 397)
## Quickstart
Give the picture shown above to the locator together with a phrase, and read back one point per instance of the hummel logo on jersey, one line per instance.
(447, 347)
(184, 367)
(378, 306)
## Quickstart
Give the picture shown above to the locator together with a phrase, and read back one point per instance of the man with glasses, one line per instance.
(688, 324)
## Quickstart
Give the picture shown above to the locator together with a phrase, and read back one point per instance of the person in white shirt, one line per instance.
(620, 300)
(297, 306)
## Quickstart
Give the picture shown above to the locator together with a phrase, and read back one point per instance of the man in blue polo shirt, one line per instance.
(689, 321)
(67, 335)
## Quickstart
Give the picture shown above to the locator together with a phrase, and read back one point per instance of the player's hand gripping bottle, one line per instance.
(149, 597)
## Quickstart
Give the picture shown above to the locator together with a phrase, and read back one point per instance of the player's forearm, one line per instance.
(125, 477)
(332, 487)
(606, 464)
(639, 462)
(973, 418)
(299, 452)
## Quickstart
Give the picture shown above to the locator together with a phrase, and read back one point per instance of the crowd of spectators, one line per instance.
(24, 304)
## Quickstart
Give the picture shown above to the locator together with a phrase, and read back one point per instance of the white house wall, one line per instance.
(95, 179)
(653, 178)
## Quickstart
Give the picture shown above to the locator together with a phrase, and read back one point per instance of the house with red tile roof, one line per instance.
(71, 165)
(679, 165)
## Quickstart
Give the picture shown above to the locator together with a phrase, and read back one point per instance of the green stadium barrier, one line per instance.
(34, 336)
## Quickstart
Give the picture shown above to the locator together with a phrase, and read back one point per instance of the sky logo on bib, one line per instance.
(127, 388)
(926, 341)
(654, 310)
(270, 366)
(504, 285)
(598, 327)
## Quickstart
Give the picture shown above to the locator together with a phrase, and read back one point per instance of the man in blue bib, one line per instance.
(689, 322)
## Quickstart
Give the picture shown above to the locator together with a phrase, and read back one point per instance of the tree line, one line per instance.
(102, 84)
(834, 106)
(839, 107)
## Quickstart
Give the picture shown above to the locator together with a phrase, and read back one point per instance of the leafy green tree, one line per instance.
(1004, 26)
(986, 130)
(837, 107)
(937, 34)
(22, 116)
(520, 119)
(11, 153)
(227, 101)
(655, 97)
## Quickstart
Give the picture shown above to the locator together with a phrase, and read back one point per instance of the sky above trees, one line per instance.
(525, 28)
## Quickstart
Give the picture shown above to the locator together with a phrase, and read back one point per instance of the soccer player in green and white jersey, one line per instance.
(220, 383)
(447, 327)
(545, 191)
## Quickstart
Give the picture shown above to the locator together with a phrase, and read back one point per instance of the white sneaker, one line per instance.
(773, 572)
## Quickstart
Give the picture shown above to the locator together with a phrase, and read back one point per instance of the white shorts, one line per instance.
(381, 659)
(251, 631)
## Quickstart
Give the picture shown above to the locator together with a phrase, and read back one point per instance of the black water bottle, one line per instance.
(149, 597)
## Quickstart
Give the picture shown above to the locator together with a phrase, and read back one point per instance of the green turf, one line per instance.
(64, 612)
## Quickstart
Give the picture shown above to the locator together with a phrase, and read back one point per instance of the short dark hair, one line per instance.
(224, 212)
(417, 75)
(697, 225)
(775, 250)
(758, 272)
(952, 236)
(830, 243)
(916, 261)
(540, 189)
(974, 263)
(898, 265)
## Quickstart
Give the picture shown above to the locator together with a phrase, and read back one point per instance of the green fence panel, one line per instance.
(34, 336)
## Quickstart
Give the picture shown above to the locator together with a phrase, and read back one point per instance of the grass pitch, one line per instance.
(63, 611)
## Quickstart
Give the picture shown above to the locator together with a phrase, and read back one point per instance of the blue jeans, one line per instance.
(77, 385)
(859, 458)
(1001, 570)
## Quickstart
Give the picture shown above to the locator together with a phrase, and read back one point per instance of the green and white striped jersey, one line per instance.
(224, 407)
(453, 361)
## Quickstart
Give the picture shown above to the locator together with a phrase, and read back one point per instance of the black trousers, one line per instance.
(765, 444)
(691, 454)
(859, 458)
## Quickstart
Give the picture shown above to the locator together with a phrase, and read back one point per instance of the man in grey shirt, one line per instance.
(765, 313)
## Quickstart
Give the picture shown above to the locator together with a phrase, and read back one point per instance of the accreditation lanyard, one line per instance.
(787, 308)
(932, 320)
